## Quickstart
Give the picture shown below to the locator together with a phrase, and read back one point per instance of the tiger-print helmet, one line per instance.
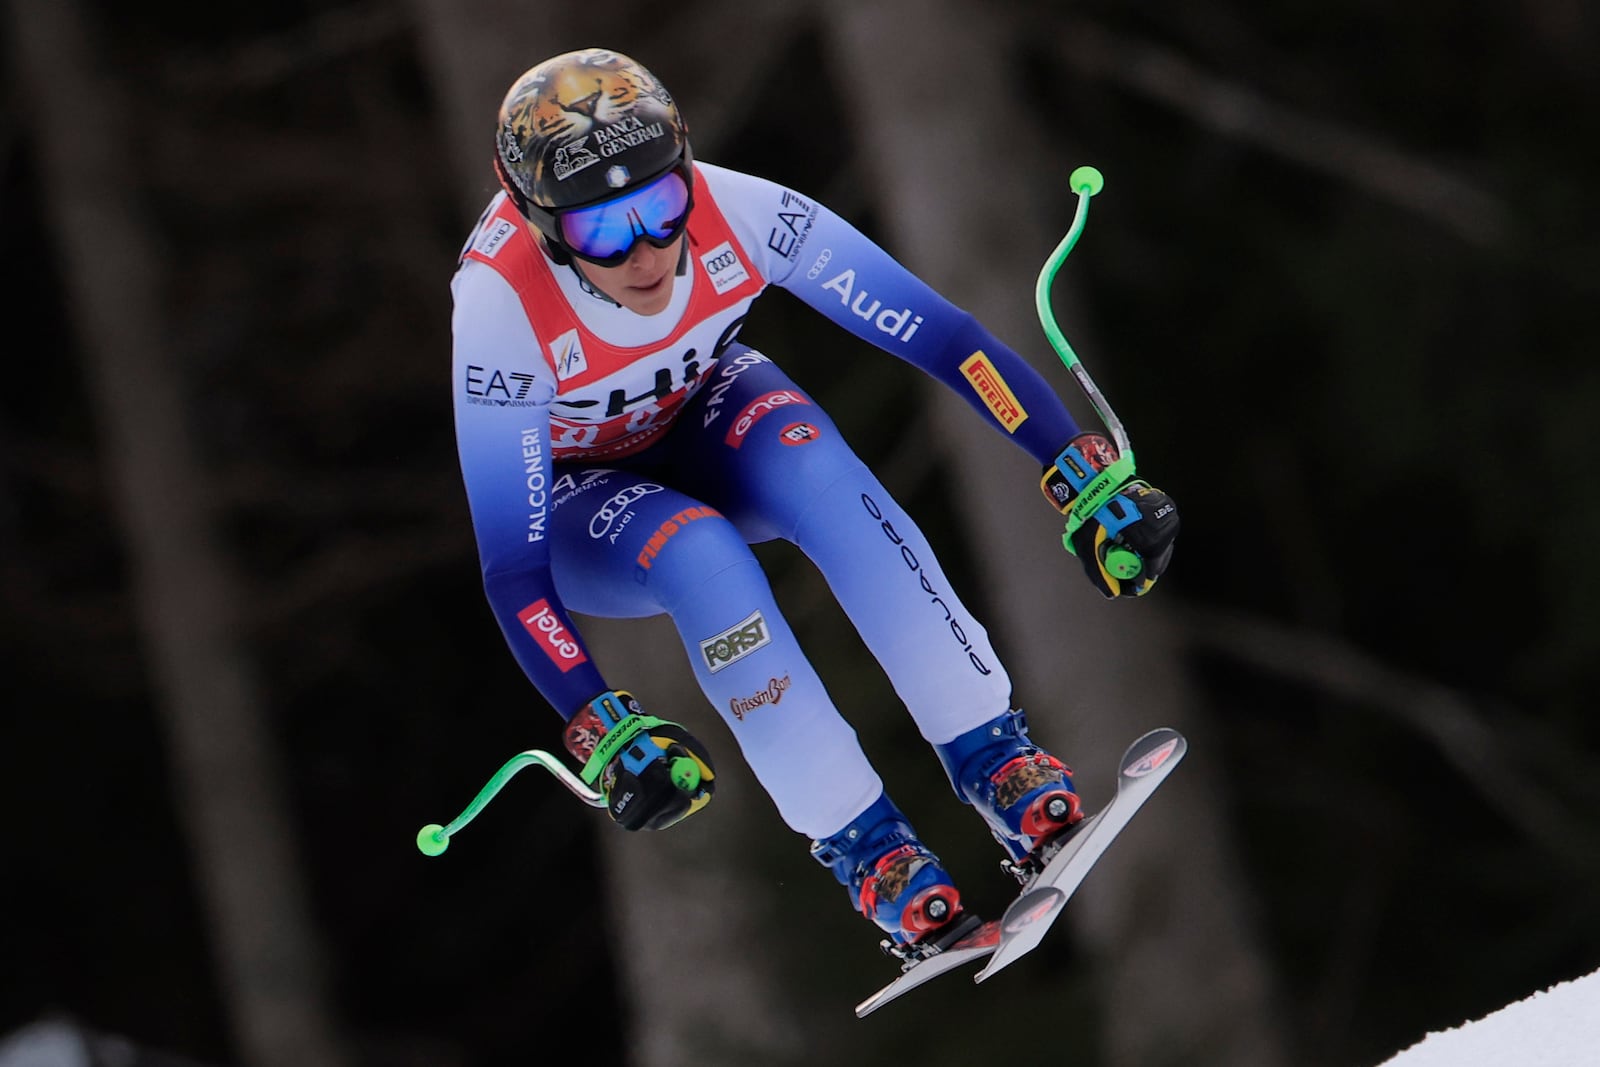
(582, 127)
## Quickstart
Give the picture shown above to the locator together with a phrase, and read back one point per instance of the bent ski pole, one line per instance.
(1086, 181)
(433, 839)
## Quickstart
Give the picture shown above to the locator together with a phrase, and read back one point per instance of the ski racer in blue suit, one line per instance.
(622, 448)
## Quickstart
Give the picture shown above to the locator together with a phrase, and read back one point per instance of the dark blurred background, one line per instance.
(1341, 286)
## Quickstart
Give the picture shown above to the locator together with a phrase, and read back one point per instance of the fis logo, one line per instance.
(566, 354)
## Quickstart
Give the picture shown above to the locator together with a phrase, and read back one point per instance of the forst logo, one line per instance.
(550, 635)
(736, 642)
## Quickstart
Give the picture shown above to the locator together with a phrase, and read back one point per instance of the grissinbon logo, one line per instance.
(997, 395)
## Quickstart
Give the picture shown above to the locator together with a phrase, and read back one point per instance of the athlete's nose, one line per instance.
(644, 254)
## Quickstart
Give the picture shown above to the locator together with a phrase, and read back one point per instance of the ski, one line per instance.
(976, 945)
(1145, 765)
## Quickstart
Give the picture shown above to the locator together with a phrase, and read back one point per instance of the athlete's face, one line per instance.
(643, 282)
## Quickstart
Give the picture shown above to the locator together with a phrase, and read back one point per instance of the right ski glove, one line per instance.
(1121, 528)
(652, 773)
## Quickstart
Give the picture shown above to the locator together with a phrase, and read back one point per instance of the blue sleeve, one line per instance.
(503, 444)
(861, 287)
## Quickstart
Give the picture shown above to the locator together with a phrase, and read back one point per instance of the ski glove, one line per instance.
(1121, 528)
(652, 773)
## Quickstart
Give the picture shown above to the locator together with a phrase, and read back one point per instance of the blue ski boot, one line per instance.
(892, 877)
(1023, 793)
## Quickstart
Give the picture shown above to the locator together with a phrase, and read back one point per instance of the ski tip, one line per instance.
(1031, 909)
(1154, 751)
(1023, 926)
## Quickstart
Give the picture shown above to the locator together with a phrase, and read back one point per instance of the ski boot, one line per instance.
(1024, 794)
(893, 879)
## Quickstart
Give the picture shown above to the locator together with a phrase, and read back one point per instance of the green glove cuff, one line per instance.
(614, 741)
(1092, 497)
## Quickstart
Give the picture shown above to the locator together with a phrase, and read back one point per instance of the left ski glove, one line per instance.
(652, 772)
(1121, 528)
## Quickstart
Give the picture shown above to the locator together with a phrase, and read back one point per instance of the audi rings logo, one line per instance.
(617, 506)
(724, 267)
(821, 263)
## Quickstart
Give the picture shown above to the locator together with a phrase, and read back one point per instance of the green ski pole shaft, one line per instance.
(433, 839)
(1085, 182)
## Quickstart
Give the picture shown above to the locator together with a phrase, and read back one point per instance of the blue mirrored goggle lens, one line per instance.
(610, 229)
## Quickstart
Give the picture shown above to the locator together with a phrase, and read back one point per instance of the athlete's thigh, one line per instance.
(757, 446)
(607, 527)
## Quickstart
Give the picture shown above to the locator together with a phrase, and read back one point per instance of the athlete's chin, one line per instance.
(652, 300)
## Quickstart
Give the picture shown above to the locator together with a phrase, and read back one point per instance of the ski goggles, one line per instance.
(604, 234)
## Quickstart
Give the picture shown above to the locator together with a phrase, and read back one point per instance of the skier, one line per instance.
(622, 449)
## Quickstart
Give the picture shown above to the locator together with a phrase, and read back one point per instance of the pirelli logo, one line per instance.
(997, 395)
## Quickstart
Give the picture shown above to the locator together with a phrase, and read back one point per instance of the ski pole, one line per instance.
(1086, 181)
(433, 839)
